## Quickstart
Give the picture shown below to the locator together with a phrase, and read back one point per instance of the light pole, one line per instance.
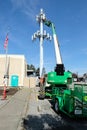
(41, 34)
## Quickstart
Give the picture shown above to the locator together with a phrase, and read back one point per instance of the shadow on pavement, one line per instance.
(45, 122)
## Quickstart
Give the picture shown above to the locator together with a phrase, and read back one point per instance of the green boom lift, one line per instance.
(68, 96)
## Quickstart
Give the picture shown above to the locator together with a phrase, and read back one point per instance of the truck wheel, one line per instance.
(56, 106)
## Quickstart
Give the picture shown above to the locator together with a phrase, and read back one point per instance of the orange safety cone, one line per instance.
(4, 93)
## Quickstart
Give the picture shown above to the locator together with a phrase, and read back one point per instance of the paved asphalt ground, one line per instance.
(41, 116)
(24, 111)
(12, 110)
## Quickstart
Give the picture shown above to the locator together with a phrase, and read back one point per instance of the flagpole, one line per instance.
(6, 60)
(6, 53)
(5, 77)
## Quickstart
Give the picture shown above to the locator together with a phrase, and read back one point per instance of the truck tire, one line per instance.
(56, 106)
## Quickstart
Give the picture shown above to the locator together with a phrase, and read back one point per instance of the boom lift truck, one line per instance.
(68, 96)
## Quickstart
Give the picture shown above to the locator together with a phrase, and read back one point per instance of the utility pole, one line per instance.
(41, 34)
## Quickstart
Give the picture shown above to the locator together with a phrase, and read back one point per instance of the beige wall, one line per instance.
(16, 66)
(30, 82)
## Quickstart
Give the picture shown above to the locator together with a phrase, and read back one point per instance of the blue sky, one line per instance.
(70, 19)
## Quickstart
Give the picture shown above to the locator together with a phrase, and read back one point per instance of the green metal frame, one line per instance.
(72, 102)
(53, 78)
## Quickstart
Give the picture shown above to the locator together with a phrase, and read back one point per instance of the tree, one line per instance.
(31, 67)
(27, 66)
(37, 72)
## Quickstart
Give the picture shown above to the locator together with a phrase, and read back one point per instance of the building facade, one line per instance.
(15, 66)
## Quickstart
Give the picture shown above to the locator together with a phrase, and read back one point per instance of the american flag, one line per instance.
(6, 42)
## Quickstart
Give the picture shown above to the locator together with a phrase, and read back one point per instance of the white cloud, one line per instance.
(28, 7)
(18, 3)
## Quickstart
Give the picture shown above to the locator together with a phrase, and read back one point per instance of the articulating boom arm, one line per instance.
(59, 67)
